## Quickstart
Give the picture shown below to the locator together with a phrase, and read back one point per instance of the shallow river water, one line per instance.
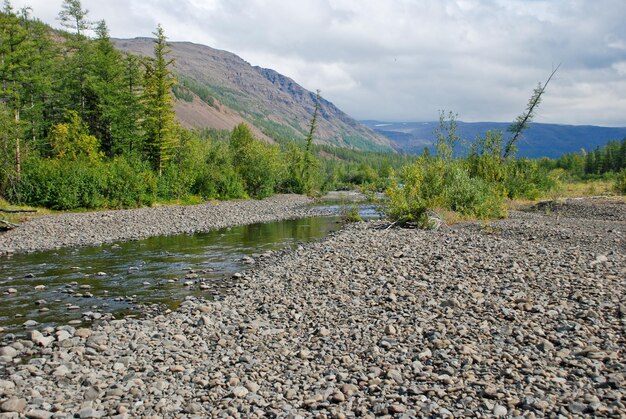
(78, 285)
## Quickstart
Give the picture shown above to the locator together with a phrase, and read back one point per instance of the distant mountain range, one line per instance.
(540, 140)
(221, 90)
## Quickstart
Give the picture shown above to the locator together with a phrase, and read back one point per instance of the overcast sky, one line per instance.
(403, 60)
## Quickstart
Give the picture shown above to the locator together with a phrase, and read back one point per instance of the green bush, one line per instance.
(406, 204)
(62, 184)
(71, 184)
(436, 183)
(526, 178)
(257, 163)
(472, 196)
(620, 182)
(129, 184)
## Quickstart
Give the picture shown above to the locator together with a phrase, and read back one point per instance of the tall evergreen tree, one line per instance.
(72, 16)
(130, 110)
(40, 85)
(159, 123)
(78, 55)
(14, 61)
(104, 90)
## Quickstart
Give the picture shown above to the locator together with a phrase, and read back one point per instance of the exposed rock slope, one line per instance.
(275, 104)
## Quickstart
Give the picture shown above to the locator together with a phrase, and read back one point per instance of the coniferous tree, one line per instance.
(40, 87)
(129, 110)
(73, 17)
(159, 124)
(78, 54)
(104, 91)
(14, 62)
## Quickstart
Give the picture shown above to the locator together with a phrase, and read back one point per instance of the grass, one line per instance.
(585, 188)
(19, 217)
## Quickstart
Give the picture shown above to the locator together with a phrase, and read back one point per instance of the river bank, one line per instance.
(95, 228)
(522, 317)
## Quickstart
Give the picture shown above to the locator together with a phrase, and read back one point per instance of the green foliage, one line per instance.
(523, 121)
(218, 178)
(71, 140)
(407, 204)
(72, 16)
(485, 159)
(257, 163)
(351, 214)
(129, 183)
(80, 183)
(62, 185)
(472, 197)
(447, 138)
(7, 151)
(434, 183)
(611, 158)
(186, 86)
(525, 178)
(620, 182)
(159, 124)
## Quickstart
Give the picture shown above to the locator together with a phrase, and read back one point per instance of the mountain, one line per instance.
(218, 89)
(539, 140)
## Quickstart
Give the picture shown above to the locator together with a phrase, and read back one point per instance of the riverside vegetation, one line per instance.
(83, 125)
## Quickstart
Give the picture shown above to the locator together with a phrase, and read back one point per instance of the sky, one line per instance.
(405, 60)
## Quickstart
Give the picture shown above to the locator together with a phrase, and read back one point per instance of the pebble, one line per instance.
(513, 321)
(499, 411)
(13, 405)
(240, 392)
(8, 352)
(39, 414)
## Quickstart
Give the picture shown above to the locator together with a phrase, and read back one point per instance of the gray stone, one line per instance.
(8, 352)
(499, 411)
(13, 405)
(38, 414)
(89, 412)
(240, 392)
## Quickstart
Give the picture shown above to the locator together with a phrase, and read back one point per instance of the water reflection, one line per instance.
(114, 278)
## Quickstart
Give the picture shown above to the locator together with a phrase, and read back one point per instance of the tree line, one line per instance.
(610, 158)
(83, 125)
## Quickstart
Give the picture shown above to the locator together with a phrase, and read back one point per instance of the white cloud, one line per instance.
(406, 59)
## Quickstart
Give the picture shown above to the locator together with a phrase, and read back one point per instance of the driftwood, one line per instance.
(5, 225)
(15, 211)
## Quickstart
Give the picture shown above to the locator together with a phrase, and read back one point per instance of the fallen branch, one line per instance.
(15, 211)
(8, 224)
(393, 224)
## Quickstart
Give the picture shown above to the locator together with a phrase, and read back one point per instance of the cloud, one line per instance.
(406, 59)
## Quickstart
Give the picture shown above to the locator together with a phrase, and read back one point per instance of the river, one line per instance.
(79, 285)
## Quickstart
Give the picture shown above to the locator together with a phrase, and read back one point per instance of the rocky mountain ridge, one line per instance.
(277, 106)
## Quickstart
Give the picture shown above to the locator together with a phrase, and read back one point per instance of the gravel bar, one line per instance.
(95, 228)
(522, 317)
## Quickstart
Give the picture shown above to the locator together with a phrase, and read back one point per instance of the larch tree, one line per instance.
(78, 55)
(309, 165)
(159, 123)
(104, 91)
(14, 63)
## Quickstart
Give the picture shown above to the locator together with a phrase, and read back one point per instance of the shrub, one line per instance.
(435, 183)
(472, 196)
(526, 178)
(129, 184)
(620, 182)
(62, 184)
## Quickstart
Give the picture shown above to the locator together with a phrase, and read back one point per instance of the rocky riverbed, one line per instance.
(94, 228)
(523, 317)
